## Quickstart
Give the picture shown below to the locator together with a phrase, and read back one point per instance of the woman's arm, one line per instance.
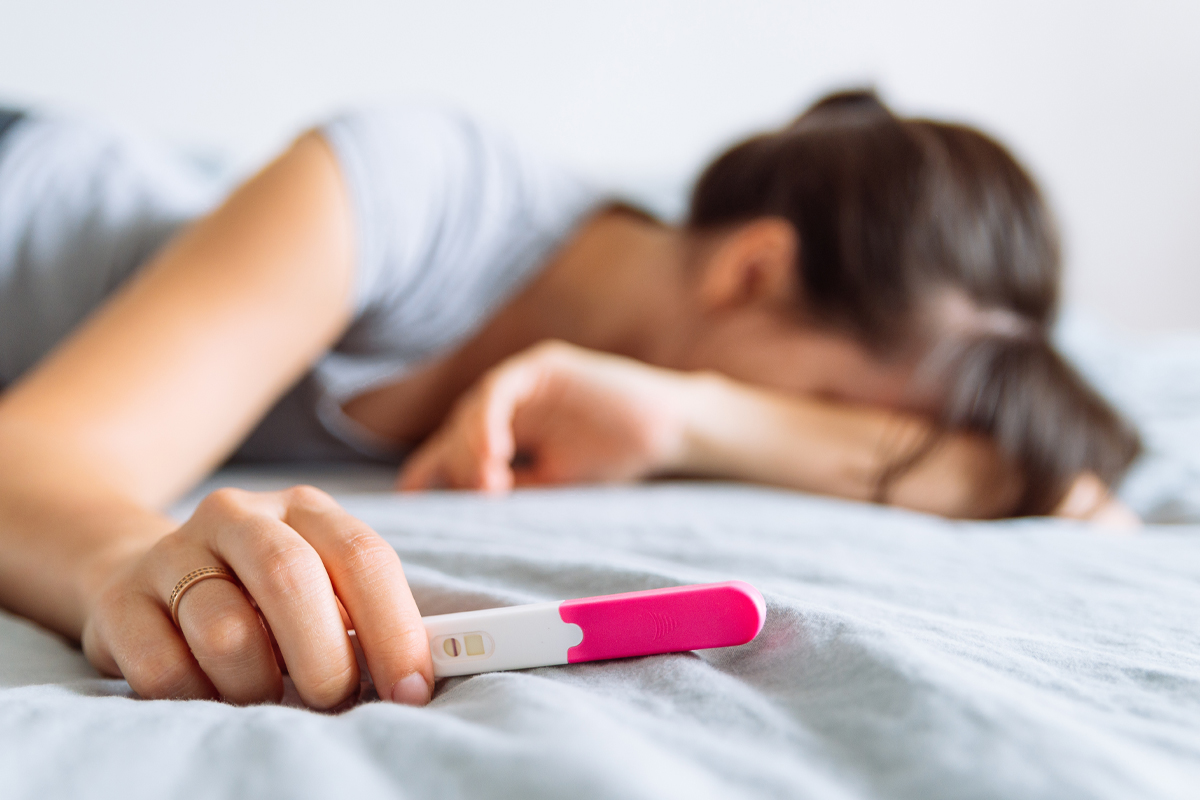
(149, 395)
(739, 431)
(567, 414)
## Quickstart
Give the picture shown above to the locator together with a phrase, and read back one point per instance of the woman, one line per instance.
(857, 305)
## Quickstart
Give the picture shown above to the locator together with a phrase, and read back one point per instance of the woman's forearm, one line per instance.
(63, 529)
(577, 415)
(156, 388)
(734, 430)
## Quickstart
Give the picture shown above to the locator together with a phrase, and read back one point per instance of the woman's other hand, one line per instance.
(296, 554)
(555, 413)
(1090, 500)
(558, 413)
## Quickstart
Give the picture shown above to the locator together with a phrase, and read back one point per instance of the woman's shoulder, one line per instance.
(420, 138)
(433, 186)
(444, 158)
(453, 215)
(396, 126)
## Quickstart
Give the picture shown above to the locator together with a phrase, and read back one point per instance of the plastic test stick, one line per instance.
(593, 628)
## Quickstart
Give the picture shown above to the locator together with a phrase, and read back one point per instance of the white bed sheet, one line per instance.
(903, 655)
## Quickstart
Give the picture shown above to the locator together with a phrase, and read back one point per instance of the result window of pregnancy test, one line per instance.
(468, 644)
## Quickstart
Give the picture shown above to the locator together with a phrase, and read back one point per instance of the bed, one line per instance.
(903, 655)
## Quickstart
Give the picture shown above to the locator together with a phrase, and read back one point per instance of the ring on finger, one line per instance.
(190, 580)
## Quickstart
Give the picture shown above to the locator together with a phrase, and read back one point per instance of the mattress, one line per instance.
(903, 655)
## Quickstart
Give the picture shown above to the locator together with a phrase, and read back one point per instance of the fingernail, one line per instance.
(411, 690)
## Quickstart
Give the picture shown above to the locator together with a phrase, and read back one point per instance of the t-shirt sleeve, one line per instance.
(440, 197)
(398, 167)
(452, 217)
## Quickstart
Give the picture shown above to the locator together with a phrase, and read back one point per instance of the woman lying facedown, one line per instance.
(857, 305)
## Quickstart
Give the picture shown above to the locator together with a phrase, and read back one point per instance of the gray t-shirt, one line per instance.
(452, 218)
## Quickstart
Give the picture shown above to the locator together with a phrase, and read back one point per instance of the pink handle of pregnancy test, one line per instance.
(665, 620)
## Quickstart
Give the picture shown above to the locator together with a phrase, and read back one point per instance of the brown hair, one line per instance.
(891, 211)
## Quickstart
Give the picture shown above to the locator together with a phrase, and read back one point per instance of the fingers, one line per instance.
(367, 577)
(136, 639)
(222, 630)
(309, 569)
(306, 554)
(1087, 494)
(229, 642)
(288, 581)
(422, 470)
(461, 456)
(1089, 498)
(577, 415)
(476, 446)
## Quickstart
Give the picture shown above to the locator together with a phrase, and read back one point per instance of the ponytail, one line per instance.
(1040, 413)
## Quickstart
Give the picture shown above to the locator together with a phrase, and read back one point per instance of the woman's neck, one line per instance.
(617, 286)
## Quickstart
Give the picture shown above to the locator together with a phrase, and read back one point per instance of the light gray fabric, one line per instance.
(903, 656)
(452, 218)
(1155, 380)
(82, 205)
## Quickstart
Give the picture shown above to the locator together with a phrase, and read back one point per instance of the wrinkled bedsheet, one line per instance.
(903, 656)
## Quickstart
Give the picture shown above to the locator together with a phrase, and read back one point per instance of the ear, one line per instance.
(755, 263)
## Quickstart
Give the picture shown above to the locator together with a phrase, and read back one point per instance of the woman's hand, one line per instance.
(561, 414)
(297, 555)
(1090, 500)
(555, 413)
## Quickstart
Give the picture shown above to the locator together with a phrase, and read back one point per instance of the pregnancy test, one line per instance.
(594, 628)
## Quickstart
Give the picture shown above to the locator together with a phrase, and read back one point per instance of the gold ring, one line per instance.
(190, 580)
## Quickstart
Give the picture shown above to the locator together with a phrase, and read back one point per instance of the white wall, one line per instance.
(1102, 99)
